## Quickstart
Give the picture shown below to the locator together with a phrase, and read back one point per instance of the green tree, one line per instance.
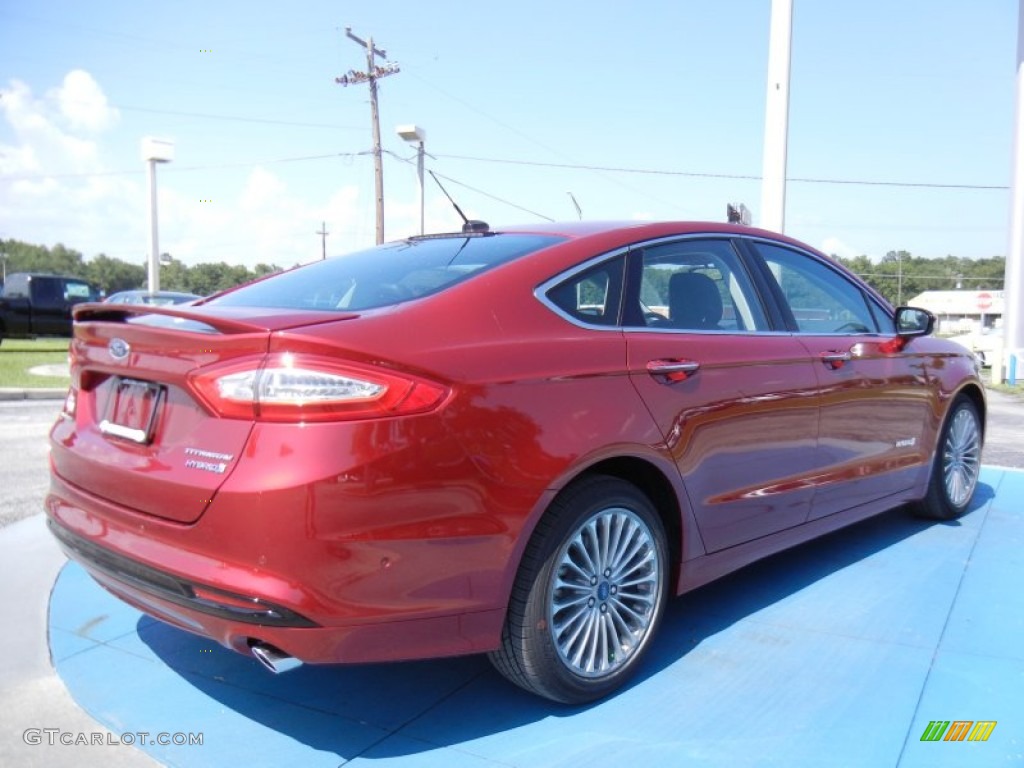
(113, 275)
(25, 257)
(174, 276)
(900, 276)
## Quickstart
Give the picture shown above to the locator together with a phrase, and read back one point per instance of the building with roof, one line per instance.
(963, 311)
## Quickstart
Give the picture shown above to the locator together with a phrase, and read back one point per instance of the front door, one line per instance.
(875, 403)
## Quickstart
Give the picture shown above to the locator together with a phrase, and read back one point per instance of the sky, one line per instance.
(901, 120)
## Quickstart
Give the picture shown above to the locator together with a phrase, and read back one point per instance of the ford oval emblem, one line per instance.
(118, 349)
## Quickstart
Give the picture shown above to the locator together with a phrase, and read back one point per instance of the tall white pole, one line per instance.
(154, 246)
(776, 117)
(154, 151)
(1013, 312)
(419, 173)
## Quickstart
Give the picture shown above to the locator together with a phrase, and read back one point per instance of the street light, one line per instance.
(415, 134)
(154, 151)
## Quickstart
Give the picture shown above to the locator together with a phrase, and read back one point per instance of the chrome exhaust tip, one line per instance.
(274, 659)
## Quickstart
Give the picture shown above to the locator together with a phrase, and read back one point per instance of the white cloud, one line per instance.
(263, 221)
(835, 246)
(44, 130)
(82, 103)
(58, 188)
(52, 192)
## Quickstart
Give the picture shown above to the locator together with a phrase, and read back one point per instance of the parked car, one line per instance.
(159, 298)
(518, 442)
(985, 344)
(34, 304)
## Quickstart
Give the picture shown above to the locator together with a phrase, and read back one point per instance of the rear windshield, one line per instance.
(387, 274)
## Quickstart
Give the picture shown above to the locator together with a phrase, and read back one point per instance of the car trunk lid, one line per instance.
(135, 433)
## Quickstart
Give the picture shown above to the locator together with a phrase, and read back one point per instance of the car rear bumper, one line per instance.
(238, 604)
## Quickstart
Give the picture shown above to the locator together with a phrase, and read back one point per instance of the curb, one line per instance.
(43, 393)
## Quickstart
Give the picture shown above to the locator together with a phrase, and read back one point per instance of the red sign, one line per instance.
(984, 301)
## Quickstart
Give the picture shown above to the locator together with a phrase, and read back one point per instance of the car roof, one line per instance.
(644, 229)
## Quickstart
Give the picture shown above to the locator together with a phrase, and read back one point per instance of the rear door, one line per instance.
(875, 404)
(737, 403)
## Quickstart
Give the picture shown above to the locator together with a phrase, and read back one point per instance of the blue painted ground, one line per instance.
(837, 653)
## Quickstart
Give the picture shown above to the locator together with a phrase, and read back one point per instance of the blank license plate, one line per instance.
(132, 410)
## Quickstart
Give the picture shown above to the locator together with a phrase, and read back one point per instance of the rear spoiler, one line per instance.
(207, 318)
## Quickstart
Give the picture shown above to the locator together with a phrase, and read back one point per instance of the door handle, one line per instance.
(836, 360)
(673, 370)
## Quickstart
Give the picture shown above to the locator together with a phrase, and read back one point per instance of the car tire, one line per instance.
(956, 466)
(589, 594)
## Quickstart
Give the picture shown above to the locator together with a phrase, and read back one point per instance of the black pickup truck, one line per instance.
(40, 305)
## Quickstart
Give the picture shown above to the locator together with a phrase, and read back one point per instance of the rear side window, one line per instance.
(16, 287)
(592, 297)
(385, 275)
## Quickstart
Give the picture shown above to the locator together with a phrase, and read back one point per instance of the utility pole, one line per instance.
(371, 75)
(323, 239)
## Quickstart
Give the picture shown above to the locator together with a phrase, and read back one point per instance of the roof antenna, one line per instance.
(578, 211)
(468, 225)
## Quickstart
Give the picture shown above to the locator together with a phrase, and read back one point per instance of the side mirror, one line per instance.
(913, 321)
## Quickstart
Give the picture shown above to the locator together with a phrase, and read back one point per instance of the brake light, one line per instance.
(294, 388)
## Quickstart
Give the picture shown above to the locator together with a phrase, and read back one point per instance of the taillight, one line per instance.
(71, 402)
(298, 388)
(75, 372)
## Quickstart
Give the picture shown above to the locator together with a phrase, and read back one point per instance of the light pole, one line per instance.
(414, 134)
(776, 117)
(154, 151)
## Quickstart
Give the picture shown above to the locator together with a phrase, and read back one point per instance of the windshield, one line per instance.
(387, 274)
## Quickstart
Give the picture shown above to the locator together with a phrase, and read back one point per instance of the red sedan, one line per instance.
(518, 442)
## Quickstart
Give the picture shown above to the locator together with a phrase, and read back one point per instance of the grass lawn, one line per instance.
(1018, 389)
(17, 356)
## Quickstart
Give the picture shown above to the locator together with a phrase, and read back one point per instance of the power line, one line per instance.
(181, 168)
(495, 197)
(694, 174)
(503, 161)
(911, 276)
(233, 118)
(410, 161)
(532, 140)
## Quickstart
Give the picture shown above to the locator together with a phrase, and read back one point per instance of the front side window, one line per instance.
(821, 299)
(696, 285)
(385, 275)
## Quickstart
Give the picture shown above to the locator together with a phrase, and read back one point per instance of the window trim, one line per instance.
(541, 291)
